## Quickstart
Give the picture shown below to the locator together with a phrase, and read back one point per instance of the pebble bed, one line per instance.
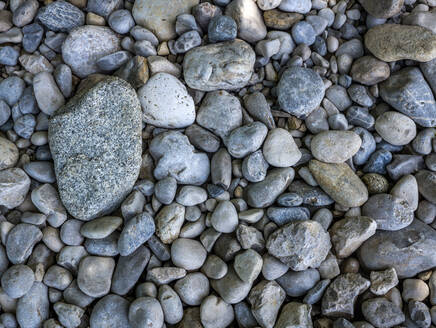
(219, 163)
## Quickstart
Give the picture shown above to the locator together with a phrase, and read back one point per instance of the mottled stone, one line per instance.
(427, 184)
(61, 16)
(335, 146)
(340, 183)
(369, 70)
(14, 185)
(410, 250)
(106, 172)
(300, 245)
(85, 45)
(226, 65)
(382, 313)
(391, 42)
(160, 18)
(382, 8)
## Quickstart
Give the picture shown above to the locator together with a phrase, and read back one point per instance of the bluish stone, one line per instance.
(290, 199)
(102, 7)
(187, 41)
(113, 61)
(27, 103)
(284, 215)
(5, 112)
(61, 16)
(366, 148)
(25, 125)
(43, 153)
(222, 28)
(254, 167)
(404, 164)
(345, 80)
(389, 147)
(121, 21)
(214, 190)
(136, 231)
(103, 247)
(360, 116)
(11, 89)
(8, 56)
(303, 32)
(159, 249)
(378, 161)
(320, 46)
(313, 196)
(338, 122)
(408, 92)
(360, 95)
(32, 36)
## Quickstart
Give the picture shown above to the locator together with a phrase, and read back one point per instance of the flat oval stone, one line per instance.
(335, 146)
(300, 91)
(101, 227)
(369, 70)
(408, 92)
(392, 42)
(103, 160)
(136, 231)
(340, 183)
(395, 128)
(225, 65)
(264, 193)
(409, 250)
(166, 102)
(159, 17)
(85, 45)
(280, 149)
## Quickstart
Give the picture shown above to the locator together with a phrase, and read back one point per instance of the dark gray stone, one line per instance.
(20, 242)
(136, 231)
(284, 215)
(297, 284)
(61, 16)
(104, 161)
(113, 61)
(410, 250)
(109, 312)
(222, 28)
(32, 36)
(300, 91)
(408, 92)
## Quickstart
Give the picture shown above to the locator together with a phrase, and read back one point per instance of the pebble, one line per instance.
(222, 28)
(125, 152)
(171, 304)
(395, 128)
(94, 276)
(121, 21)
(303, 33)
(297, 284)
(294, 314)
(335, 146)
(381, 312)
(246, 139)
(68, 314)
(340, 183)
(279, 148)
(383, 281)
(11, 90)
(46, 199)
(146, 310)
(193, 288)
(247, 15)
(25, 12)
(83, 59)
(188, 254)
(231, 289)
(426, 184)
(5, 112)
(135, 71)
(33, 308)
(61, 16)
(369, 70)
(264, 193)
(215, 313)
(224, 217)
(408, 256)
(8, 154)
(186, 42)
(279, 20)
(17, 280)
(8, 56)
(110, 311)
(166, 103)
(160, 18)
(14, 185)
(113, 61)
(188, 167)
(383, 42)
(303, 82)
(390, 212)
(169, 221)
(407, 188)
(47, 93)
(308, 246)
(32, 36)
(348, 234)
(226, 65)
(136, 231)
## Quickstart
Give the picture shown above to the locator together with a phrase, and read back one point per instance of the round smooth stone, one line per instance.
(395, 128)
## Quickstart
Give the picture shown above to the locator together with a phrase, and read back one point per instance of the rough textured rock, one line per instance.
(348, 234)
(427, 185)
(382, 8)
(300, 91)
(103, 159)
(14, 185)
(61, 16)
(340, 183)
(341, 294)
(408, 250)
(176, 157)
(85, 45)
(295, 315)
(160, 18)
(390, 212)
(382, 313)
(300, 245)
(391, 42)
(226, 65)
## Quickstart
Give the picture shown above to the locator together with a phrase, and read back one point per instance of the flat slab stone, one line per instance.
(95, 141)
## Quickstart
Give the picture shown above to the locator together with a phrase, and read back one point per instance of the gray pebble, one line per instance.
(17, 280)
(8, 56)
(246, 139)
(254, 167)
(303, 33)
(193, 288)
(146, 312)
(33, 308)
(74, 295)
(20, 242)
(69, 315)
(41, 171)
(165, 190)
(11, 90)
(222, 28)
(136, 231)
(121, 21)
(379, 311)
(214, 267)
(188, 253)
(110, 311)
(215, 313)
(61, 16)
(94, 275)
(171, 304)
(297, 284)
(32, 36)
(186, 42)
(58, 277)
(113, 61)
(25, 13)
